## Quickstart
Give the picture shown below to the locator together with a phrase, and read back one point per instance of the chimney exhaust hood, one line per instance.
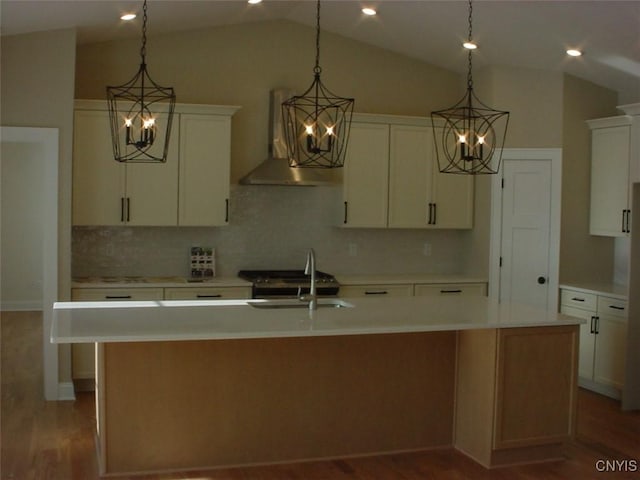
(275, 169)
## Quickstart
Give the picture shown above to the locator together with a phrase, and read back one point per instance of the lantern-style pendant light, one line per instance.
(317, 123)
(469, 136)
(141, 113)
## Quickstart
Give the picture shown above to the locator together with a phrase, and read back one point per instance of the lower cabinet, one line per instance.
(83, 354)
(516, 393)
(450, 289)
(206, 293)
(602, 339)
(410, 289)
(382, 290)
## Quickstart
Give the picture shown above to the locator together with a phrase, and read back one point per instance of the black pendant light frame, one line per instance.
(317, 123)
(135, 109)
(469, 136)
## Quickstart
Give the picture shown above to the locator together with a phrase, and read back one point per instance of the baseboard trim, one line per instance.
(66, 391)
(21, 306)
(605, 390)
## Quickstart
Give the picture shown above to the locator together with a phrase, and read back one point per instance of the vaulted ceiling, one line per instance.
(528, 33)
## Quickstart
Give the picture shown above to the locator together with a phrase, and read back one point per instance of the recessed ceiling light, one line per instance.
(254, 2)
(469, 45)
(573, 52)
(369, 11)
(128, 17)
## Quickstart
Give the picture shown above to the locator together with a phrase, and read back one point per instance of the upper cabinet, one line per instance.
(190, 189)
(391, 178)
(610, 213)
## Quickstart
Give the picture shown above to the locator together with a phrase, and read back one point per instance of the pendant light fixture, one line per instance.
(317, 123)
(470, 135)
(141, 113)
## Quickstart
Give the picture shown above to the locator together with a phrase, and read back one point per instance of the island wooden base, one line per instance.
(197, 404)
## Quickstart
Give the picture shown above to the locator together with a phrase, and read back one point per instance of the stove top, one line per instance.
(288, 283)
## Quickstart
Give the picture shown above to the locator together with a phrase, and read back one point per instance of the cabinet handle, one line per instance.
(226, 210)
(576, 299)
(626, 223)
(435, 213)
(117, 297)
(624, 216)
(209, 296)
(616, 307)
(597, 325)
(122, 209)
(376, 292)
(345, 213)
(451, 291)
(591, 326)
(128, 209)
(431, 215)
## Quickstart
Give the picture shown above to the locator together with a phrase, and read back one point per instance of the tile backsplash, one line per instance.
(271, 227)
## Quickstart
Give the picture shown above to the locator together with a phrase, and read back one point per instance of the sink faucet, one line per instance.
(310, 269)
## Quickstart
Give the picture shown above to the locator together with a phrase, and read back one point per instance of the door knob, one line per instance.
(542, 280)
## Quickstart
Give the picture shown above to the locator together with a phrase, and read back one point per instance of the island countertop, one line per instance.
(82, 322)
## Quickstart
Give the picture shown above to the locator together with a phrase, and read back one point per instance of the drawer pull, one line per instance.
(217, 295)
(451, 291)
(376, 292)
(117, 297)
(615, 307)
(576, 299)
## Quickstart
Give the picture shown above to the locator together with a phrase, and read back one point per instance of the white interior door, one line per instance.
(527, 215)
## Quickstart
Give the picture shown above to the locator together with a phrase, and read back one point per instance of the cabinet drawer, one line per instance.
(376, 290)
(450, 289)
(612, 306)
(115, 294)
(206, 293)
(574, 298)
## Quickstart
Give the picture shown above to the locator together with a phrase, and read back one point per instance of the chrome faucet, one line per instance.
(310, 269)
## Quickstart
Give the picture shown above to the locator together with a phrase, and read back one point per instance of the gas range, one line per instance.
(288, 283)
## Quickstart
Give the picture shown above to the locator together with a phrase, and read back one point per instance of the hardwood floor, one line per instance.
(54, 440)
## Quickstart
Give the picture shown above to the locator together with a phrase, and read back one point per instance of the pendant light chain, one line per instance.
(143, 48)
(317, 68)
(469, 74)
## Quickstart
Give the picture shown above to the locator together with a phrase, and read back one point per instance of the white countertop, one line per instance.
(608, 289)
(80, 322)
(157, 282)
(406, 278)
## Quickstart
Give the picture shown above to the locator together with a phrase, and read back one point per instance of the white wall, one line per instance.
(21, 176)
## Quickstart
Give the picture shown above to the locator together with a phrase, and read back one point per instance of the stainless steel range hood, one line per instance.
(275, 169)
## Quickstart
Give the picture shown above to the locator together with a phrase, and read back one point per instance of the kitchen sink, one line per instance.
(295, 303)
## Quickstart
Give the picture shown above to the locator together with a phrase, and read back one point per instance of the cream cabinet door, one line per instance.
(394, 290)
(98, 180)
(452, 196)
(366, 176)
(610, 351)
(205, 150)
(206, 293)
(450, 289)
(610, 181)
(410, 176)
(152, 188)
(106, 192)
(587, 340)
(419, 195)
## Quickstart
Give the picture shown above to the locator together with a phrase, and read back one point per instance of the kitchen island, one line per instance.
(184, 384)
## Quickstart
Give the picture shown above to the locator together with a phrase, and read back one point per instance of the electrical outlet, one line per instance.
(353, 249)
(426, 249)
